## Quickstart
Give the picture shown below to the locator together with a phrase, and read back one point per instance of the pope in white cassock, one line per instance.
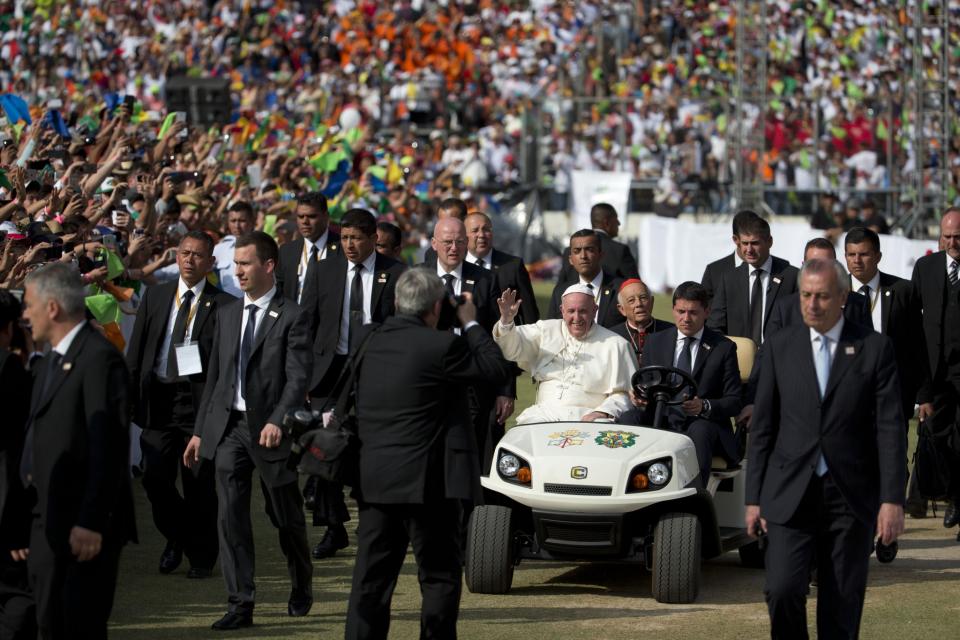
(582, 370)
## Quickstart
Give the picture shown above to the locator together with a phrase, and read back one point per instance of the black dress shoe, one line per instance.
(170, 558)
(951, 517)
(299, 604)
(917, 509)
(199, 573)
(233, 620)
(334, 540)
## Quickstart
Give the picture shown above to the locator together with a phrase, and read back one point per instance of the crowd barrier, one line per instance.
(671, 251)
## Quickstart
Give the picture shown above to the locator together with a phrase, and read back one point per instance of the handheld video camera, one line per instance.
(295, 424)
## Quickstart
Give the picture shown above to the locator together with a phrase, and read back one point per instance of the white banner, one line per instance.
(671, 251)
(588, 188)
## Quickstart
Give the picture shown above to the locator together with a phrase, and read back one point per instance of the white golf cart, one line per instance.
(589, 490)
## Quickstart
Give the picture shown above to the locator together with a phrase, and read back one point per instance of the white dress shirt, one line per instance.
(694, 348)
(487, 260)
(64, 345)
(223, 256)
(366, 277)
(596, 283)
(161, 367)
(321, 245)
(875, 305)
(262, 303)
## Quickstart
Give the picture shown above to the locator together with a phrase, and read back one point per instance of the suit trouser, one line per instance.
(73, 599)
(385, 532)
(946, 406)
(188, 520)
(330, 508)
(235, 462)
(17, 613)
(823, 530)
(708, 442)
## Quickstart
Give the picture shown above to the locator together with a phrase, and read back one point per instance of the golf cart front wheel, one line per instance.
(676, 558)
(489, 567)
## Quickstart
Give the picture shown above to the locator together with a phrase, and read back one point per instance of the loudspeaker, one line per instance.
(206, 101)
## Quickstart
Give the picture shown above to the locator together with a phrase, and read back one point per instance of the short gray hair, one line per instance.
(61, 282)
(820, 267)
(418, 289)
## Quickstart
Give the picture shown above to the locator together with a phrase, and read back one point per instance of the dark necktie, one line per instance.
(448, 282)
(865, 291)
(179, 333)
(26, 461)
(311, 268)
(356, 301)
(481, 263)
(756, 307)
(954, 273)
(685, 360)
(246, 345)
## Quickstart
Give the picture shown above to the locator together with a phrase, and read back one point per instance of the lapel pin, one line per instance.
(606, 292)
(67, 366)
(849, 351)
(382, 277)
(776, 281)
(706, 346)
(469, 281)
(274, 314)
(886, 293)
(333, 247)
(208, 304)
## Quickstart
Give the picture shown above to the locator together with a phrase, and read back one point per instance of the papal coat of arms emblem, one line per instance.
(568, 438)
(616, 439)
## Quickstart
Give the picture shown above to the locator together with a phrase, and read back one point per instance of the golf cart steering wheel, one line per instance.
(663, 384)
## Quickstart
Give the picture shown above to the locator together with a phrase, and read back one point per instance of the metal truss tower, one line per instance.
(931, 114)
(750, 104)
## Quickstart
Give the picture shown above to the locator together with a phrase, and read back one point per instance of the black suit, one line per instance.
(717, 376)
(638, 339)
(607, 313)
(786, 312)
(482, 285)
(510, 273)
(288, 266)
(166, 411)
(715, 271)
(323, 302)
(617, 260)
(417, 462)
(275, 383)
(730, 308)
(858, 428)
(939, 347)
(81, 472)
(17, 615)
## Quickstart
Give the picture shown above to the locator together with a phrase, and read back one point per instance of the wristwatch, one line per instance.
(705, 411)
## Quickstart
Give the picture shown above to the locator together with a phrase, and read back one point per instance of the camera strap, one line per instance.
(343, 388)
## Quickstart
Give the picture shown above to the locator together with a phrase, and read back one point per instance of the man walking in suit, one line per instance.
(299, 259)
(711, 360)
(417, 458)
(743, 299)
(936, 287)
(586, 257)
(171, 342)
(635, 303)
(76, 457)
(715, 271)
(351, 290)
(17, 613)
(618, 260)
(258, 371)
(826, 458)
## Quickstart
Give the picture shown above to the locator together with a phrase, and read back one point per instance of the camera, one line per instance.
(456, 301)
(295, 424)
(886, 553)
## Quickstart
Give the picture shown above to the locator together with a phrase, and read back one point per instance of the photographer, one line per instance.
(417, 456)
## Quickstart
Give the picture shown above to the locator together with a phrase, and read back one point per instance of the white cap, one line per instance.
(579, 288)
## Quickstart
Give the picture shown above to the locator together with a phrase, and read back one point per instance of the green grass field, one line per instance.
(915, 597)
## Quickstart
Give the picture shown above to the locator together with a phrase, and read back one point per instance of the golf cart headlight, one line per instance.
(658, 473)
(508, 465)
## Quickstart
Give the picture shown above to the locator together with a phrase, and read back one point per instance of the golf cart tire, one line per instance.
(489, 567)
(676, 558)
(752, 556)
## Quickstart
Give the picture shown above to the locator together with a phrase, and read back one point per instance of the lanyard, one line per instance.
(305, 258)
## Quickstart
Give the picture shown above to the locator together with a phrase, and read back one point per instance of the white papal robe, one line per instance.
(574, 377)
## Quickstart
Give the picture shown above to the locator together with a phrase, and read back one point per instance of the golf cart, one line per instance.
(597, 490)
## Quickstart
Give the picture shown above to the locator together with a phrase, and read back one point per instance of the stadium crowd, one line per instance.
(368, 137)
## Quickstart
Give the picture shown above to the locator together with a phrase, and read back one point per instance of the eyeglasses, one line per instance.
(446, 244)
